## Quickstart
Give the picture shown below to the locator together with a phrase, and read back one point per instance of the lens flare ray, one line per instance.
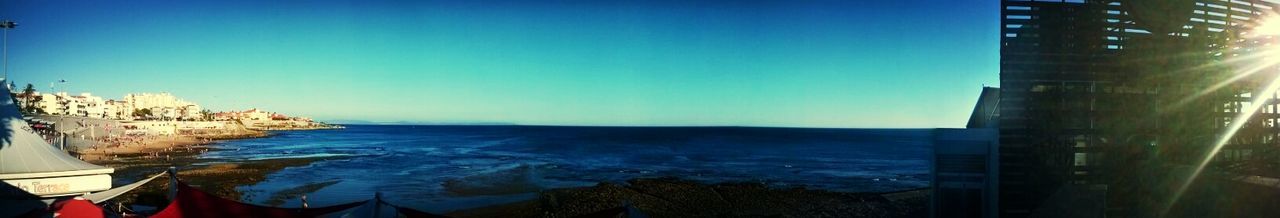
(1215, 87)
(1266, 58)
(1259, 100)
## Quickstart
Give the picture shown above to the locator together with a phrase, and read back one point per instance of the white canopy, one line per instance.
(30, 163)
(102, 196)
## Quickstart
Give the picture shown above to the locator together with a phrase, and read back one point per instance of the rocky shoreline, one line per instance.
(288, 128)
(216, 177)
(156, 154)
(657, 197)
(673, 197)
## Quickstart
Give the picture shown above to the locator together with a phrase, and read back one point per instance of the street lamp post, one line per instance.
(6, 25)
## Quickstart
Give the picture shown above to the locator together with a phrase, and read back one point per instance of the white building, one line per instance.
(161, 105)
(61, 103)
(52, 104)
(255, 114)
(86, 105)
(112, 109)
(150, 100)
(191, 112)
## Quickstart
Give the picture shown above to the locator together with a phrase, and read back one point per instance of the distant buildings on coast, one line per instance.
(149, 107)
(264, 120)
(135, 106)
(86, 121)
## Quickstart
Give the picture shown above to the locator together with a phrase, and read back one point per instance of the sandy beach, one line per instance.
(104, 139)
(155, 147)
(149, 147)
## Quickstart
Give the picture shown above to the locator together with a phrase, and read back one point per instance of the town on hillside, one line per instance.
(88, 121)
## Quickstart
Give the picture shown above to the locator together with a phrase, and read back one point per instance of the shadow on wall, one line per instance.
(15, 202)
(8, 113)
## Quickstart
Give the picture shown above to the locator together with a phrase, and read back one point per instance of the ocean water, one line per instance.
(445, 168)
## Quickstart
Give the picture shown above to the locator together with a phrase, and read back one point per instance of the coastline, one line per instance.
(674, 197)
(659, 197)
(318, 127)
(156, 146)
(147, 156)
(220, 179)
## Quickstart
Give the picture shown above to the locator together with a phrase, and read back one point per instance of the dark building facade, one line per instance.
(962, 172)
(1095, 105)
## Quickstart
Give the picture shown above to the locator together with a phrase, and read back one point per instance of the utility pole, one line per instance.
(6, 25)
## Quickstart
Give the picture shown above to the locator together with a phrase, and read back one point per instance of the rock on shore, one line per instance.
(670, 197)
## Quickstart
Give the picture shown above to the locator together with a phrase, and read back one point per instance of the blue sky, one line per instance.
(902, 63)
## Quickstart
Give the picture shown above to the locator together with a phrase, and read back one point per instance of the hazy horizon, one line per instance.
(464, 123)
(895, 64)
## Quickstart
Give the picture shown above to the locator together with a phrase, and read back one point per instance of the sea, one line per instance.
(441, 168)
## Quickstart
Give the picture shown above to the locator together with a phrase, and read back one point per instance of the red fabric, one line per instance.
(77, 207)
(193, 203)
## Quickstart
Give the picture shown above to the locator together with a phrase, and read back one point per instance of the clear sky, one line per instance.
(893, 63)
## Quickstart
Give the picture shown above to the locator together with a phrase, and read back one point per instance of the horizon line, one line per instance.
(401, 123)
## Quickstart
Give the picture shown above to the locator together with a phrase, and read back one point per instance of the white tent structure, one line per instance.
(31, 165)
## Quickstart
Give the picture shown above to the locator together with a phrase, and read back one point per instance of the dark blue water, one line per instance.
(444, 168)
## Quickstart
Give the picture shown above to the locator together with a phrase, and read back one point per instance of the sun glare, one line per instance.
(1268, 27)
(1265, 30)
